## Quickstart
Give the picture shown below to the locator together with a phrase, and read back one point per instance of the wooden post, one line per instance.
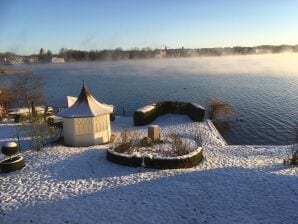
(18, 136)
(154, 133)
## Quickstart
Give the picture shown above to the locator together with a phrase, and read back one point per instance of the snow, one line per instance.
(25, 110)
(198, 106)
(147, 108)
(71, 100)
(233, 184)
(10, 145)
(56, 119)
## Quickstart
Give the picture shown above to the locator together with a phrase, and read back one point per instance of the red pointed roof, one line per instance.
(86, 106)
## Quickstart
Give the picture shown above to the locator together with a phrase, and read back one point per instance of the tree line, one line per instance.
(118, 53)
(136, 53)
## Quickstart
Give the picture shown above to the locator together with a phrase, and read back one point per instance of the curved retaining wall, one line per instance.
(186, 161)
(149, 113)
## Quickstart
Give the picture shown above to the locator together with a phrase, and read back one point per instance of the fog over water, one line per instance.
(262, 88)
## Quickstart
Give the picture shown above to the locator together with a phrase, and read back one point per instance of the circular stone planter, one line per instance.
(10, 148)
(186, 161)
(12, 164)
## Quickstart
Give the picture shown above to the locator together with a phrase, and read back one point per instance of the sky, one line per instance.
(27, 25)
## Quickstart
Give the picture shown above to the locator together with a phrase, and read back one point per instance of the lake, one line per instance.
(262, 88)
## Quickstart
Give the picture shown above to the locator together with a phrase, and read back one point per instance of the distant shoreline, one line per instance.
(13, 72)
(73, 55)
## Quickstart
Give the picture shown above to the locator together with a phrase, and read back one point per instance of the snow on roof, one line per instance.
(86, 106)
(198, 106)
(71, 100)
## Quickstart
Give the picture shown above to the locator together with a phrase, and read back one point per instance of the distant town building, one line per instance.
(13, 60)
(162, 53)
(57, 60)
(42, 51)
(31, 60)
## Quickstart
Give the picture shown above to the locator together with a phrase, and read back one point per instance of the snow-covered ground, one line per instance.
(233, 184)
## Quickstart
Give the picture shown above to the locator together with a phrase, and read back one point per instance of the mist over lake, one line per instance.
(262, 88)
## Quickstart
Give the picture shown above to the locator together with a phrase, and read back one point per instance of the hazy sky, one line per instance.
(27, 25)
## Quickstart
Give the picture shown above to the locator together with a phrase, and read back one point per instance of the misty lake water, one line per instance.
(263, 88)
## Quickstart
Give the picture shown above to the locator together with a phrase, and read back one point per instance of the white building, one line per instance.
(57, 60)
(86, 122)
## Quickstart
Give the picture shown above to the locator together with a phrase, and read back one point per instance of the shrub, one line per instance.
(5, 100)
(127, 141)
(123, 147)
(179, 147)
(292, 153)
(37, 129)
(218, 109)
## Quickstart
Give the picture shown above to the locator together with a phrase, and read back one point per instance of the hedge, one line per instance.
(174, 163)
(132, 161)
(9, 165)
(185, 161)
(194, 111)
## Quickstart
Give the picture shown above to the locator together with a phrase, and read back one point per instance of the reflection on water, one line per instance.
(263, 88)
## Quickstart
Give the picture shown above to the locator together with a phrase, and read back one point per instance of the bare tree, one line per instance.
(5, 100)
(38, 131)
(28, 90)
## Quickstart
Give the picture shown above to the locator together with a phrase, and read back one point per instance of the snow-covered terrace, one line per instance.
(233, 184)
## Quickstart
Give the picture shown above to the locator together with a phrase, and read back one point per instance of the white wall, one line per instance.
(87, 131)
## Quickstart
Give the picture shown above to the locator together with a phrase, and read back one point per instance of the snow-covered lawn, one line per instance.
(233, 184)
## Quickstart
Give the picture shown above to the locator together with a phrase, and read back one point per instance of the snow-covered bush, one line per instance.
(127, 141)
(38, 131)
(179, 147)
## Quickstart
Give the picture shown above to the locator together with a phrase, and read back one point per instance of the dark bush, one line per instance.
(124, 147)
(173, 163)
(9, 151)
(10, 165)
(141, 118)
(155, 163)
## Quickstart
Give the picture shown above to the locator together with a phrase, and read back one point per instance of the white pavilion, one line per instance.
(86, 122)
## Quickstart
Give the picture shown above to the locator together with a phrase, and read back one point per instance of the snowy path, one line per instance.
(233, 184)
